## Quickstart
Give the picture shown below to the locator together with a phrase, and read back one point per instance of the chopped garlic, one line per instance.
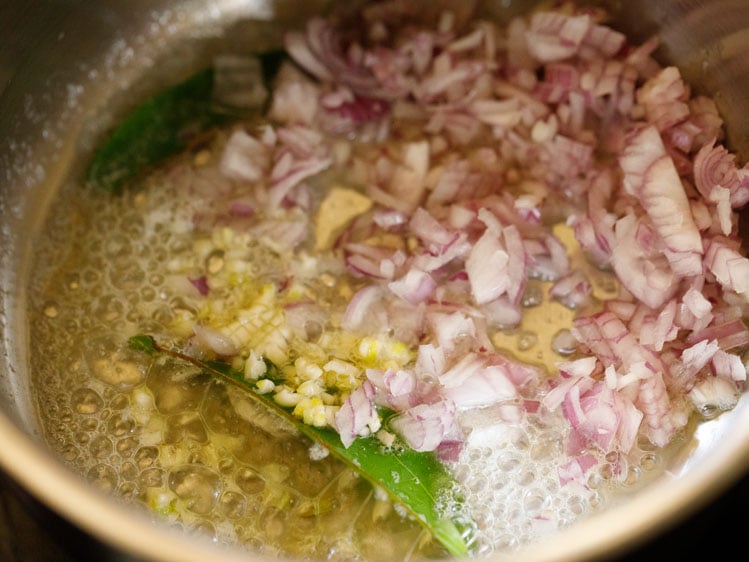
(384, 353)
(254, 366)
(310, 388)
(265, 386)
(342, 368)
(287, 398)
(386, 438)
(306, 369)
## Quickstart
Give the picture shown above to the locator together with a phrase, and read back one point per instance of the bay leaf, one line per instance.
(163, 125)
(416, 480)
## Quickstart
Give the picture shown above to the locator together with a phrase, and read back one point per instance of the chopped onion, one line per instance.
(469, 148)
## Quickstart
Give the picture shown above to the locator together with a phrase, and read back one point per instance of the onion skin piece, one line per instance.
(417, 480)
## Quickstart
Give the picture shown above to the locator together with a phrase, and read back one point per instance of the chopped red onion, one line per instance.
(664, 98)
(359, 307)
(244, 157)
(425, 426)
(650, 175)
(730, 268)
(510, 137)
(572, 290)
(729, 366)
(553, 36)
(415, 286)
(357, 415)
(201, 284)
(576, 468)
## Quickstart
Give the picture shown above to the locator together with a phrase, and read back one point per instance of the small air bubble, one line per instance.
(126, 446)
(534, 502)
(508, 464)
(103, 477)
(86, 401)
(709, 411)
(232, 504)
(478, 485)
(533, 296)
(648, 461)
(152, 478)
(148, 294)
(69, 452)
(127, 490)
(594, 480)
(101, 447)
(82, 438)
(633, 476)
(215, 262)
(499, 484)
(607, 471)
(576, 505)
(526, 478)
(564, 342)
(526, 340)
(146, 457)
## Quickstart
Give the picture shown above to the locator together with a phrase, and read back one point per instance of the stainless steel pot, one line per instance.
(68, 69)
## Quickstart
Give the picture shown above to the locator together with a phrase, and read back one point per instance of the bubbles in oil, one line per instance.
(526, 340)
(564, 342)
(86, 401)
(511, 478)
(161, 435)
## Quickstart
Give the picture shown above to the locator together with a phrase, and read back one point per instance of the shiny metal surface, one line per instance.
(69, 68)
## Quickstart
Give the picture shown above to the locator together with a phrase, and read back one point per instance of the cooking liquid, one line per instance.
(202, 456)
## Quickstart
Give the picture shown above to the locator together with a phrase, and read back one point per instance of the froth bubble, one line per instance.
(146, 457)
(120, 424)
(103, 476)
(101, 447)
(249, 481)
(126, 446)
(152, 478)
(232, 504)
(198, 486)
(86, 401)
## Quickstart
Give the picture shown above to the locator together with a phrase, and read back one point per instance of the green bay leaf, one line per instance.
(164, 125)
(416, 480)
